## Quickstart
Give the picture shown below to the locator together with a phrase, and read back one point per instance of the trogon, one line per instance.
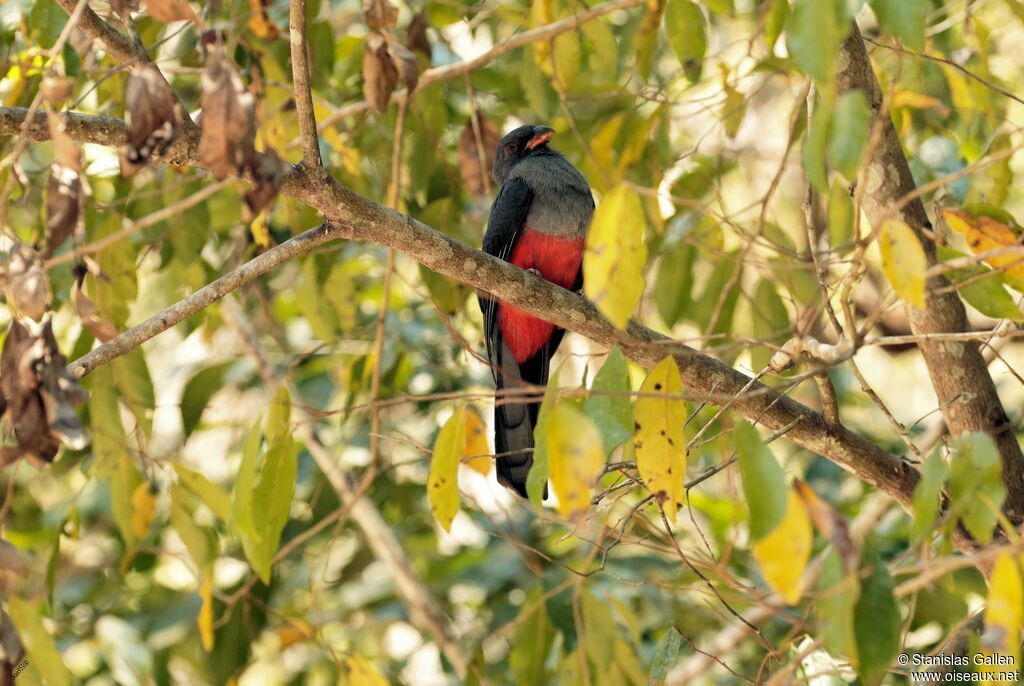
(538, 222)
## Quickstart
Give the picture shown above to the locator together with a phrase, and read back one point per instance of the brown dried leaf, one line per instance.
(64, 196)
(380, 14)
(416, 35)
(474, 167)
(405, 62)
(152, 116)
(26, 288)
(267, 170)
(229, 118)
(101, 328)
(40, 395)
(10, 558)
(56, 89)
(830, 524)
(259, 23)
(380, 76)
(172, 10)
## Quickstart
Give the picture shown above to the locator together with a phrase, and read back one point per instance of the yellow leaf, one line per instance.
(613, 265)
(259, 230)
(361, 672)
(903, 261)
(443, 483)
(476, 453)
(660, 446)
(206, 614)
(259, 23)
(143, 509)
(783, 554)
(983, 233)
(919, 101)
(1004, 614)
(576, 458)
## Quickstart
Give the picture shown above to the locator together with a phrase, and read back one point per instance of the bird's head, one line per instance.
(517, 144)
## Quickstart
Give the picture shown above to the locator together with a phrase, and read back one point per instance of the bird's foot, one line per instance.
(533, 271)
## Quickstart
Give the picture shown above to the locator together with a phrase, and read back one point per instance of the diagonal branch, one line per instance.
(352, 216)
(298, 37)
(456, 69)
(965, 390)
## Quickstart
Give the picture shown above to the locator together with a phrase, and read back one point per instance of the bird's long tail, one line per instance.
(513, 439)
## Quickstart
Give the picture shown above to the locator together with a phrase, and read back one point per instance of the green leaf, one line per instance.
(904, 19)
(272, 500)
(903, 261)
(684, 24)
(815, 143)
(775, 21)
(245, 485)
(771, 322)
(135, 387)
(764, 482)
(212, 495)
(200, 542)
(537, 479)
(614, 261)
(928, 495)
(840, 214)
(203, 385)
(986, 292)
(647, 37)
(40, 648)
(976, 485)
(666, 656)
(877, 623)
(278, 425)
(848, 132)
(531, 644)
(674, 282)
(814, 30)
(608, 402)
(834, 609)
(443, 480)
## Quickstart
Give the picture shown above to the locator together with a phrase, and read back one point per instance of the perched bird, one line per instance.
(538, 222)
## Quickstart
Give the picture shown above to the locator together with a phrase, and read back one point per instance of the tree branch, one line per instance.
(965, 390)
(352, 216)
(456, 69)
(119, 46)
(297, 36)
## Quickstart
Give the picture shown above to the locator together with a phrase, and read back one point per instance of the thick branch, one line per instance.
(355, 217)
(965, 390)
(456, 69)
(297, 36)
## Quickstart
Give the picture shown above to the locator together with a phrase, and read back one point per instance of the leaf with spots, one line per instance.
(903, 261)
(614, 261)
(659, 416)
(985, 229)
(576, 457)
(443, 482)
(783, 553)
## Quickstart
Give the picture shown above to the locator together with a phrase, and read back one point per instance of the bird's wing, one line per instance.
(504, 226)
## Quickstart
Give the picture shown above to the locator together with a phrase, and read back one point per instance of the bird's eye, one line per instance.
(511, 148)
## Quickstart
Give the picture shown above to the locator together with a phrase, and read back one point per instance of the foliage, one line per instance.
(294, 484)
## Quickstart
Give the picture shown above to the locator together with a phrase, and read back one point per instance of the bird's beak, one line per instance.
(542, 135)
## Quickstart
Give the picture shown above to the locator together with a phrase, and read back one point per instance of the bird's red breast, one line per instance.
(558, 261)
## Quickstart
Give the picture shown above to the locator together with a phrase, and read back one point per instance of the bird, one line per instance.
(538, 222)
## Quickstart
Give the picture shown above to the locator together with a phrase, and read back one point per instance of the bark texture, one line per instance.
(967, 395)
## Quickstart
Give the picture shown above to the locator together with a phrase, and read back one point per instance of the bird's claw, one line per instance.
(533, 271)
